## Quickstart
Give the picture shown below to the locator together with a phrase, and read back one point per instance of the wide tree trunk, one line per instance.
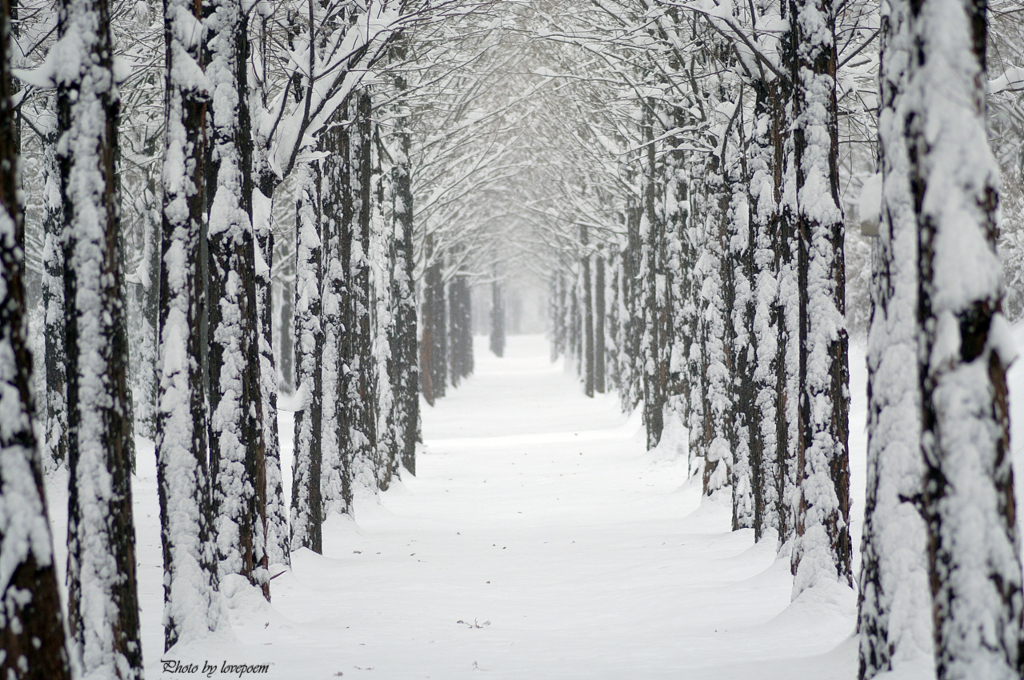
(103, 606)
(894, 604)
(964, 348)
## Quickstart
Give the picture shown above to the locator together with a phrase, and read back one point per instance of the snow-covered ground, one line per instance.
(538, 541)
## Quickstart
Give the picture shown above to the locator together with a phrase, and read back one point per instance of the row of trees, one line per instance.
(726, 299)
(290, 116)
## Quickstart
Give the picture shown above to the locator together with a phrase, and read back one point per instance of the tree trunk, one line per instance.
(497, 320)
(237, 445)
(55, 440)
(31, 628)
(895, 598)
(599, 325)
(588, 317)
(404, 344)
(307, 505)
(823, 515)
(964, 348)
(652, 238)
(191, 610)
(101, 536)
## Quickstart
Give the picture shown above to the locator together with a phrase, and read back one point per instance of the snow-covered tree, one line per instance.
(964, 347)
(894, 618)
(31, 623)
(191, 610)
(103, 609)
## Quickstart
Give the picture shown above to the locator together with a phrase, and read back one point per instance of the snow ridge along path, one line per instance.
(540, 541)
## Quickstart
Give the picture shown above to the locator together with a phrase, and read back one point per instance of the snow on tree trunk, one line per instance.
(894, 607)
(31, 627)
(631, 311)
(237, 447)
(277, 533)
(652, 238)
(964, 347)
(715, 285)
(191, 610)
(361, 371)
(103, 609)
(741, 317)
(306, 506)
(764, 155)
(333, 187)
(55, 440)
(404, 343)
(822, 550)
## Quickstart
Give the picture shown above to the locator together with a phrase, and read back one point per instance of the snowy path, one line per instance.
(539, 521)
(537, 516)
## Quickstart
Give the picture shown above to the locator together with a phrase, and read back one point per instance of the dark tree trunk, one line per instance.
(404, 343)
(364, 416)
(31, 628)
(428, 316)
(653, 340)
(461, 329)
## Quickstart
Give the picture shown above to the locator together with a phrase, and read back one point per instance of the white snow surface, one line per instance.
(538, 520)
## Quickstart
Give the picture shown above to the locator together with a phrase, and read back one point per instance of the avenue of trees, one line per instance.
(206, 204)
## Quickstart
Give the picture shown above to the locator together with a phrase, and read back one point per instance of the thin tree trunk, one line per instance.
(497, 320)
(823, 544)
(55, 440)
(31, 627)
(599, 325)
(307, 505)
(237, 444)
(588, 316)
